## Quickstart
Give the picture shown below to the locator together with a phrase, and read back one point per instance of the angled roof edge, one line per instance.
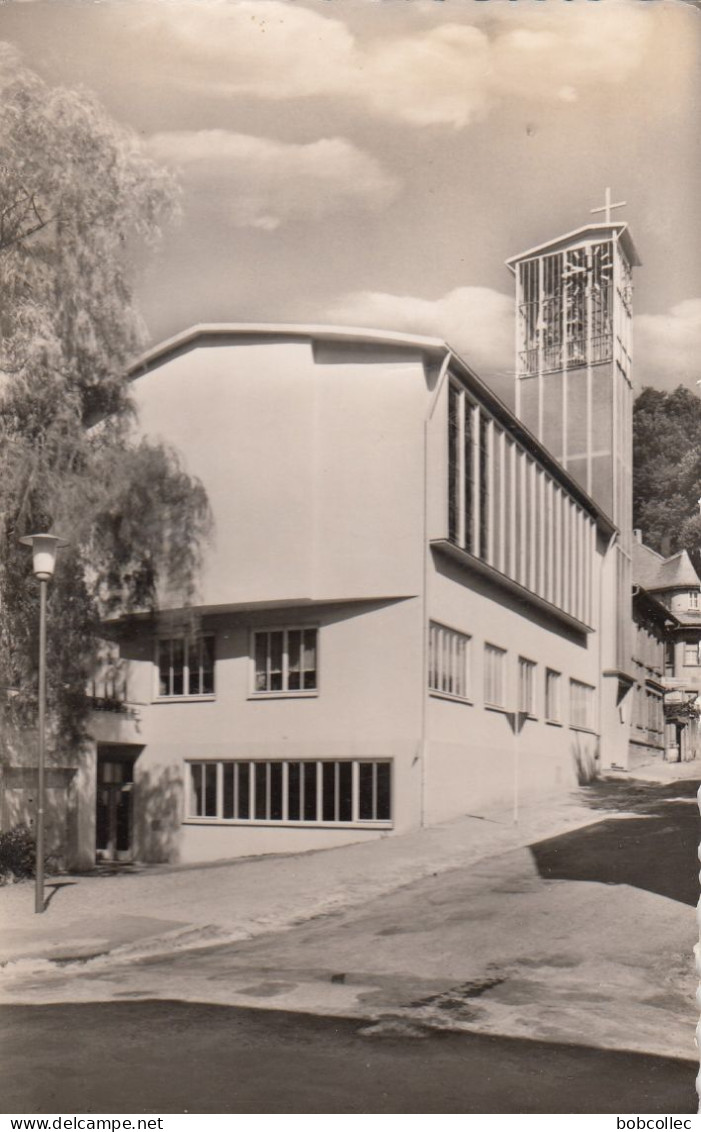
(654, 603)
(620, 228)
(178, 343)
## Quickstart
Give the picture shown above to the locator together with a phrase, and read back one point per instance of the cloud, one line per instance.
(667, 347)
(450, 73)
(263, 183)
(477, 322)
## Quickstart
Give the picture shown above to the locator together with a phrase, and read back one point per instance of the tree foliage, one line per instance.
(667, 469)
(77, 196)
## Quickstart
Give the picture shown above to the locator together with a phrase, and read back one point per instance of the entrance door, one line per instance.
(114, 813)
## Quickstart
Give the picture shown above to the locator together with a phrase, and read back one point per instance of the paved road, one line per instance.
(166, 1057)
(520, 984)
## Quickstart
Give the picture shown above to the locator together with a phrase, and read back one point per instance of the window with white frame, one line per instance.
(448, 661)
(185, 666)
(285, 660)
(581, 705)
(494, 676)
(308, 791)
(694, 599)
(691, 653)
(526, 685)
(553, 710)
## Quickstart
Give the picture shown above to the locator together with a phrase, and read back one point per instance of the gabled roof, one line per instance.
(654, 573)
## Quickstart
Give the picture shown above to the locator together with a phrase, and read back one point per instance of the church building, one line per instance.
(417, 603)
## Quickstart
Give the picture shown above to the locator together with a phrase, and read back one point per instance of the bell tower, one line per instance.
(573, 366)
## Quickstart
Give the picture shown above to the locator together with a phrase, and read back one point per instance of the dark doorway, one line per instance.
(114, 815)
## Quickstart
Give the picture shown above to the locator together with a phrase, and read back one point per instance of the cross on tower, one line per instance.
(608, 206)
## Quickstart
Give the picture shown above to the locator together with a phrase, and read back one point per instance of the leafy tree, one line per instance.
(77, 196)
(667, 469)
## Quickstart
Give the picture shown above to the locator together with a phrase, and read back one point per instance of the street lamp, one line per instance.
(44, 549)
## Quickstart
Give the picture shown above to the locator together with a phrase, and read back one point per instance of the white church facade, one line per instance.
(417, 603)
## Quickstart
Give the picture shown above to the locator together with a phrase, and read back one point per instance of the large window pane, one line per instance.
(276, 662)
(367, 791)
(294, 660)
(310, 791)
(164, 688)
(329, 780)
(309, 659)
(261, 661)
(294, 799)
(275, 792)
(384, 783)
(345, 791)
(207, 669)
(210, 790)
(244, 794)
(177, 667)
(228, 786)
(196, 790)
(261, 790)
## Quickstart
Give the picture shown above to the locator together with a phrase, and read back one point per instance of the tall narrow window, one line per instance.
(494, 676)
(484, 425)
(454, 485)
(526, 686)
(553, 711)
(581, 705)
(468, 503)
(448, 666)
(285, 661)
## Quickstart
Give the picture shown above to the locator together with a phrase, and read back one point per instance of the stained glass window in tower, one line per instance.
(529, 314)
(601, 282)
(574, 276)
(550, 320)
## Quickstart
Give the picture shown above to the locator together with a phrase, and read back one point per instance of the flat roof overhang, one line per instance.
(580, 235)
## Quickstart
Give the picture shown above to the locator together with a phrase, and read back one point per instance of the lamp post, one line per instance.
(44, 549)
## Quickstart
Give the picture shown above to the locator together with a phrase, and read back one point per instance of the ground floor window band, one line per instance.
(309, 791)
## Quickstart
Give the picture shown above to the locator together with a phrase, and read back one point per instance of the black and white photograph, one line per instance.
(350, 559)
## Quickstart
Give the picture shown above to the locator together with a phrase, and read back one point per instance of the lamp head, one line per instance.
(44, 549)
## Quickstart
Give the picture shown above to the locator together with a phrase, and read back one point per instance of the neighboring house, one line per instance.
(412, 608)
(652, 622)
(676, 585)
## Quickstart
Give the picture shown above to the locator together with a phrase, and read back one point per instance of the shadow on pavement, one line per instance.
(655, 851)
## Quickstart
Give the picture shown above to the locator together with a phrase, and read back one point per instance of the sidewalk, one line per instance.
(162, 909)
(657, 770)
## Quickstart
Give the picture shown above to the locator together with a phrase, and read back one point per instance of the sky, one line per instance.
(375, 162)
